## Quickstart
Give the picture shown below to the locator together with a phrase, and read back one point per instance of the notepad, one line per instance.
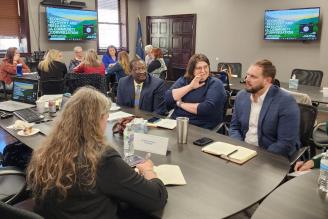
(230, 152)
(170, 174)
(164, 123)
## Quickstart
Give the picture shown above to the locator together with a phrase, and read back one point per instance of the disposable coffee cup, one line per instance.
(325, 92)
(182, 129)
(40, 106)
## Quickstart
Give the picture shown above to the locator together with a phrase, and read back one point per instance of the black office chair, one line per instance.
(52, 87)
(308, 115)
(236, 68)
(163, 75)
(12, 184)
(4, 90)
(8, 211)
(223, 127)
(308, 77)
(320, 137)
(74, 81)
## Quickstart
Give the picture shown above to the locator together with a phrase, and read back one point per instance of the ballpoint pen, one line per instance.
(231, 153)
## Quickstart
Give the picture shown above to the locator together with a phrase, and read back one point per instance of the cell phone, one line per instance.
(153, 119)
(203, 141)
(133, 160)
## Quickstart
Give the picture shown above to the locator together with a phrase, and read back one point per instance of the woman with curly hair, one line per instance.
(75, 174)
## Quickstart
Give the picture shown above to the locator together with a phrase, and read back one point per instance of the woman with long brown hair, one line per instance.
(75, 174)
(8, 66)
(91, 64)
(197, 95)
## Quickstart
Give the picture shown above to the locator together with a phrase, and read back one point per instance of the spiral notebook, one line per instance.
(237, 154)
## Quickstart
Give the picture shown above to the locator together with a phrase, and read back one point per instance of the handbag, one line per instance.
(120, 125)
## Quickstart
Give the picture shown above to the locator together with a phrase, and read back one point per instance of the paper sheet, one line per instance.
(118, 115)
(167, 123)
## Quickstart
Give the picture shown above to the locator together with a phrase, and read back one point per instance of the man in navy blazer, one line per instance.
(141, 90)
(265, 115)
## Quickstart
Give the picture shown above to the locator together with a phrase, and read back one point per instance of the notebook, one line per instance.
(230, 152)
(25, 93)
(164, 123)
(170, 174)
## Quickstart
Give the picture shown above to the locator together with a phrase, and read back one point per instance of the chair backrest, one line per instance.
(8, 211)
(163, 75)
(235, 67)
(224, 78)
(308, 115)
(52, 87)
(308, 77)
(74, 81)
(276, 82)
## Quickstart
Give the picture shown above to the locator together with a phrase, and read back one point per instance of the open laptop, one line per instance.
(25, 93)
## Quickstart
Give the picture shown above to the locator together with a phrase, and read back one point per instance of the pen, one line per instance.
(231, 153)
(148, 155)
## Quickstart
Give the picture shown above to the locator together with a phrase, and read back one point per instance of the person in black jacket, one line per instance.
(75, 174)
(51, 67)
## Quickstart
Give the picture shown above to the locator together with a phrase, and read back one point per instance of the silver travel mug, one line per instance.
(182, 129)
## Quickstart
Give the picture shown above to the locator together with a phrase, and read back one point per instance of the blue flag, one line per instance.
(139, 46)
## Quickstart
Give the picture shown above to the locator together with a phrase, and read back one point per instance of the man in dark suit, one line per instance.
(141, 90)
(264, 114)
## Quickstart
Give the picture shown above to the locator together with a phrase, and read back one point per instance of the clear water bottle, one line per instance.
(128, 140)
(323, 178)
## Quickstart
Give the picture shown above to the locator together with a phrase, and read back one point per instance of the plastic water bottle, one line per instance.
(323, 178)
(128, 135)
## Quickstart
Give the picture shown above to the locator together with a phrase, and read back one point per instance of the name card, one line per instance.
(150, 143)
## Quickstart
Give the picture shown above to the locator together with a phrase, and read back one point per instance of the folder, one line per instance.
(237, 154)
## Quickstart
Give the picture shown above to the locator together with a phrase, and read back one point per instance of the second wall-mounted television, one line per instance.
(71, 24)
(292, 24)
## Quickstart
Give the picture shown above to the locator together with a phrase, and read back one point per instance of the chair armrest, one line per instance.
(10, 170)
(297, 155)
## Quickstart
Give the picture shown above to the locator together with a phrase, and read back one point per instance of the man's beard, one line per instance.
(255, 89)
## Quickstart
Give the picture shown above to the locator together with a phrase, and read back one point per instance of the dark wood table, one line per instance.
(298, 198)
(315, 93)
(215, 188)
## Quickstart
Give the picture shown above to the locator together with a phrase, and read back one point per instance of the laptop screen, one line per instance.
(25, 90)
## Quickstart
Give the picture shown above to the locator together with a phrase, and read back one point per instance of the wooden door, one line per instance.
(176, 36)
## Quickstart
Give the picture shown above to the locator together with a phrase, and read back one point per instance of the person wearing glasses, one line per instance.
(76, 174)
(78, 58)
(197, 95)
(141, 90)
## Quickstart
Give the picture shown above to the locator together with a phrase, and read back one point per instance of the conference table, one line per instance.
(298, 198)
(215, 187)
(315, 93)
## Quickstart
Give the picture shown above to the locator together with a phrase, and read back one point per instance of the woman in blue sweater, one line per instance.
(110, 57)
(197, 95)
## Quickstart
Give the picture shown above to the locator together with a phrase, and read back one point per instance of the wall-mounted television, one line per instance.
(292, 24)
(71, 24)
